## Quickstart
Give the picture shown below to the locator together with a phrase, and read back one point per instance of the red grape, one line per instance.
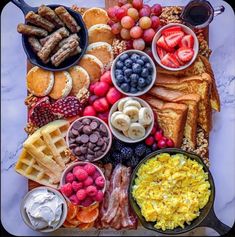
(133, 13)
(125, 34)
(129, 44)
(112, 13)
(116, 28)
(147, 6)
(156, 9)
(155, 22)
(148, 35)
(144, 12)
(138, 4)
(136, 32)
(139, 44)
(121, 12)
(122, 2)
(145, 22)
(110, 22)
(127, 6)
(127, 22)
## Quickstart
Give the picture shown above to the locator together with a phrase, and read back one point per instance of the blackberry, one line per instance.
(132, 162)
(116, 157)
(106, 159)
(140, 149)
(148, 150)
(127, 152)
(118, 145)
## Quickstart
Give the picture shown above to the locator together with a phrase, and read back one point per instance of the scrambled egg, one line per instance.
(171, 190)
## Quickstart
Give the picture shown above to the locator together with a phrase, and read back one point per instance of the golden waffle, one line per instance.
(31, 169)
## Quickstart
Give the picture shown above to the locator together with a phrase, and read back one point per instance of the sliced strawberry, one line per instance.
(178, 59)
(174, 39)
(161, 52)
(162, 43)
(170, 60)
(185, 54)
(171, 30)
(187, 41)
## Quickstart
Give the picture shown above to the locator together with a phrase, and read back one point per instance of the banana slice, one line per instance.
(145, 116)
(121, 122)
(125, 133)
(122, 102)
(114, 115)
(136, 131)
(132, 103)
(132, 112)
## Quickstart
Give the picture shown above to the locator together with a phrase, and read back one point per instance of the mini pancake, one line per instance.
(103, 51)
(80, 79)
(93, 66)
(39, 81)
(100, 32)
(62, 85)
(95, 16)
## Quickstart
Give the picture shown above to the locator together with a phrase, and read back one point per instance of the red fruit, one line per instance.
(74, 199)
(155, 22)
(136, 32)
(113, 95)
(178, 59)
(148, 35)
(67, 189)
(153, 131)
(89, 111)
(156, 9)
(139, 44)
(145, 11)
(161, 144)
(104, 116)
(101, 88)
(127, 6)
(81, 174)
(77, 168)
(41, 114)
(187, 41)
(171, 30)
(116, 28)
(69, 177)
(96, 175)
(81, 194)
(121, 12)
(87, 202)
(77, 185)
(147, 6)
(67, 107)
(127, 22)
(91, 191)
(110, 22)
(170, 60)
(101, 105)
(138, 4)
(162, 43)
(164, 138)
(149, 140)
(99, 196)
(88, 181)
(100, 182)
(174, 39)
(112, 13)
(129, 44)
(90, 169)
(92, 98)
(158, 135)
(92, 87)
(106, 77)
(161, 52)
(154, 146)
(170, 143)
(122, 2)
(185, 54)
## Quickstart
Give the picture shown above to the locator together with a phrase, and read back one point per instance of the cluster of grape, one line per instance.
(135, 22)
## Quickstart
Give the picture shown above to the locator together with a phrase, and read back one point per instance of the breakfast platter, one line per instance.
(120, 105)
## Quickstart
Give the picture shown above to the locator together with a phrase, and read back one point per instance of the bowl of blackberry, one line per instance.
(133, 72)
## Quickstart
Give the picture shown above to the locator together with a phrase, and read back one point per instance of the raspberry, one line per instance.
(88, 181)
(81, 174)
(69, 178)
(96, 175)
(90, 169)
(99, 196)
(76, 185)
(66, 189)
(91, 190)
(74, 199)
(76, 168)
(87, 202)
(100, 182)
(81, 194)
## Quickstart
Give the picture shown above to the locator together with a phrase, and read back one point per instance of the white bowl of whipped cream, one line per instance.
(44, 209)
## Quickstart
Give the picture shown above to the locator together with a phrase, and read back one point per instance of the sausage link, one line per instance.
(31, 30)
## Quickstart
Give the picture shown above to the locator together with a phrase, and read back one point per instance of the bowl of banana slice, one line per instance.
(131, 119)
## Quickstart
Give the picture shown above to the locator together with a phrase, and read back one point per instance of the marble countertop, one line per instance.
(14, 115)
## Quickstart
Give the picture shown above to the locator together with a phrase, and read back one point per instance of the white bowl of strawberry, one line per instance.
(83, 184)
(175, 47)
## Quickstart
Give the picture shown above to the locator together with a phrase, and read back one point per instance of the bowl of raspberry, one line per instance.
(175, 47)
(83, 184)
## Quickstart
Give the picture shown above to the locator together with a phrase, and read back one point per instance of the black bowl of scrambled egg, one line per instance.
(172, 192)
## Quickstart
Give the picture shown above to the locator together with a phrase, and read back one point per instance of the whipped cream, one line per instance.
(44, 209)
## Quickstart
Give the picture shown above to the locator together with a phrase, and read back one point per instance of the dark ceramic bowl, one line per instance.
(207, 217)
(34, 59)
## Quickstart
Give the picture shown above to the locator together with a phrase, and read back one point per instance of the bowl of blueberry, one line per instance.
(133, 72)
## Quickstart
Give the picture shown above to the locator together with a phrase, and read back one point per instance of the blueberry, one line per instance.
(133, 90)
(128, 72)
(128, 63)
(125, 87)
(136, 68)
(127, 79)
(145, 59)
(139, 88)
(124, 68)
(134, 77)
(145, 72)
(135, 57)
(141, 82)
(148, 80)
(140, 62)
(119, 64)
(124, 57)
(134, 84)
(149, 66)
(120, 78)
(118, 71)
